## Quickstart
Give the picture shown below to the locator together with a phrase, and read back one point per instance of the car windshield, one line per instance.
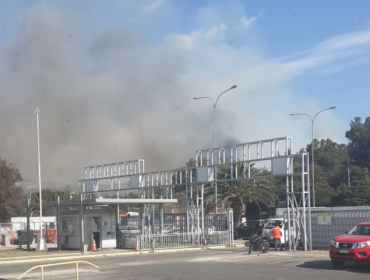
(272, 223)
(360, 230)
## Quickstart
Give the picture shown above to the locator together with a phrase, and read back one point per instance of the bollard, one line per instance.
(153, 244)
(204, 243)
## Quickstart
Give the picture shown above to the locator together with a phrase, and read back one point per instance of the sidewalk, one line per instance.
(51, 246)
(13, 256)
(53, 255)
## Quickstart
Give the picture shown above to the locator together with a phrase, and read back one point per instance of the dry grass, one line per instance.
(11, 253)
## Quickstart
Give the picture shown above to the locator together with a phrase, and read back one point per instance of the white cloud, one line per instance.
(150, 8)
(346, 41)
(341, 50)
(246, 22)
(197, 37)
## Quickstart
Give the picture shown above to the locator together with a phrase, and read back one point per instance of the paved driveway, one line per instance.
(215, 264)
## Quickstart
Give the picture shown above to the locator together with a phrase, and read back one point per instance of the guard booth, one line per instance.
(98, 219)
(99, 224)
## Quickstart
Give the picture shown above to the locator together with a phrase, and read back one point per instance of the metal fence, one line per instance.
(332, 221)
(177, 223)
(174, 233)
(181, 240)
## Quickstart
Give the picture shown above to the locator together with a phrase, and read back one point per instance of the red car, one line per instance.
(351, 246)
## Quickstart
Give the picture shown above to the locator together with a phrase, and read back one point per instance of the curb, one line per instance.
(30, 259)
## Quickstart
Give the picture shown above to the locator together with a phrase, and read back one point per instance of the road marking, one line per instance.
(37, 273)
(293, 259)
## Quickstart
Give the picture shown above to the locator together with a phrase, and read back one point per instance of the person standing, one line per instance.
(276, 235)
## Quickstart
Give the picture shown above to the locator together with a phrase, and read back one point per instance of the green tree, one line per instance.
(49, 196)
(237, 193)
(324, 193)
(10, 192)
(331, 171)
(332, 158)
(355, 196)
(359, 142)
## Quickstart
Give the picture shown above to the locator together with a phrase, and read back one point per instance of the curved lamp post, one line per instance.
(312, 148)
(214, 131)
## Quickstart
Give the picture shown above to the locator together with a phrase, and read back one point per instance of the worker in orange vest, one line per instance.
(276, 235)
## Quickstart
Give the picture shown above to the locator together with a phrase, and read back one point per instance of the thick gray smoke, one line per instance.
(111, 99)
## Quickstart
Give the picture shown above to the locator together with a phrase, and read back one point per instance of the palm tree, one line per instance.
(255, 188)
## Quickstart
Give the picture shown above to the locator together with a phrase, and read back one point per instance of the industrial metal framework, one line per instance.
(274, 153)
(157, 188)
(128, 177)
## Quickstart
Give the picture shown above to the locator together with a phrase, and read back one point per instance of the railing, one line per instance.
(181, 240)
(175, 233)
(56, 264)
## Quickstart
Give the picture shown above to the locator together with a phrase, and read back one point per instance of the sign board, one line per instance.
(281, 166)
(204, 174)
(136, 181)
(91, 186)
(324, 218)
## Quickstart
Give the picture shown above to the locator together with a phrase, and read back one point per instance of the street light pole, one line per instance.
(312, 147)
(41, 244)
(214, 103)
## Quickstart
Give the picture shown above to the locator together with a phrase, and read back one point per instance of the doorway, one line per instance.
(96, 231)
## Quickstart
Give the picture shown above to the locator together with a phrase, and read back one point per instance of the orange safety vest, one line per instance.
(276, 233)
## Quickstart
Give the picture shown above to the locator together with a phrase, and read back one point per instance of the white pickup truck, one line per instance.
(270, 223)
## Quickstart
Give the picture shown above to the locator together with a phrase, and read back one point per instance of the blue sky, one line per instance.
(124, 73)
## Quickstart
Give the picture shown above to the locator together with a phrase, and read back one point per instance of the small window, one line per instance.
(68, 225)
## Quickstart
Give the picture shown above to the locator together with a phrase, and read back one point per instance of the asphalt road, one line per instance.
(215, 264)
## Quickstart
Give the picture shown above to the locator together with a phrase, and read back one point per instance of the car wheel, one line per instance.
(263, 249)
(337, 264)
(235, 236)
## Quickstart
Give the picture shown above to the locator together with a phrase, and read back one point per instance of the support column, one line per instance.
(197, 211)
(141, 220)
(288, 202)
(81, 217)
(187, 202)
(117, 226)
(58, 224)
(28, 224)
(202, 196)
(153, 213)
(161, 218)
(309, 221)
(161, 222)
(231, 228)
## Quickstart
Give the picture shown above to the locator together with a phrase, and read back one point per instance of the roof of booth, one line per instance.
(128, 201)
(109, 201)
